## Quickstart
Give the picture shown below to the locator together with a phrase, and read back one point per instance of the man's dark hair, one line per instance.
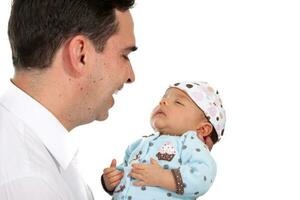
(37, 28)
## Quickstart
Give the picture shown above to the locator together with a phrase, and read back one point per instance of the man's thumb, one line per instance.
(113, 163)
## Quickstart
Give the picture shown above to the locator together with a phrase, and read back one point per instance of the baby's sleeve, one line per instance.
(198, 169)
(128, 152)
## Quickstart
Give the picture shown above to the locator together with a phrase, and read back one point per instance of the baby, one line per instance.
(175, 162)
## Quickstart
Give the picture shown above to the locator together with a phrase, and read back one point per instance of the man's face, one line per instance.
(111, 68)
(176, 113)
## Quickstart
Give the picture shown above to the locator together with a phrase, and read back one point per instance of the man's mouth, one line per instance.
(117, 90)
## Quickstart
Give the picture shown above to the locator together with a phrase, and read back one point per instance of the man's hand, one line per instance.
(112, 176)
(153, 175)
(209, 143)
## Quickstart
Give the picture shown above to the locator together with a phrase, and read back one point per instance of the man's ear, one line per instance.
(76, 51)
(204, 129)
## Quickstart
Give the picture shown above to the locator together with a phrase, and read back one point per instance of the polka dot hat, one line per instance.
(208, 100)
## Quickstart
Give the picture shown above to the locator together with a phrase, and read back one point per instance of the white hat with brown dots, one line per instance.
(208, 100)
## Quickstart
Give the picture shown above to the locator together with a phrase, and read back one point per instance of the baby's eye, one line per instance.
(178, 102)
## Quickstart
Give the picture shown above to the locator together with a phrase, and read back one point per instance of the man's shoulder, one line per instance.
(21, 152)
(26, 170)
(11, 136)
(35, 186)
(9, 121)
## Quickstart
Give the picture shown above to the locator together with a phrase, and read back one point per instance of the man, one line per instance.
(70, 57)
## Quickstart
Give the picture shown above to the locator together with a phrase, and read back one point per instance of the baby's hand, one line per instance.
(147, 174)
(153, 175)
(112, 176)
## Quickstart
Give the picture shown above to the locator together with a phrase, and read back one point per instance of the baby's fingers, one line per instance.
(136, 175)
(139, 183)
(138, 171)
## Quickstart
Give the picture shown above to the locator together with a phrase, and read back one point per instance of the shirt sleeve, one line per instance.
(198, 169)
(28, 189)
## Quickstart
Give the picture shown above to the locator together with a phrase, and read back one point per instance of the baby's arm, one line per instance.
(197, 171)
(153, 175)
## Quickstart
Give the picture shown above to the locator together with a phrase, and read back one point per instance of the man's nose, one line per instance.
(131, 77)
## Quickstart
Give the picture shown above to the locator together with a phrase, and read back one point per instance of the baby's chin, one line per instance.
(163, 130)
(159, 130)
(157, 125)
(161, 127)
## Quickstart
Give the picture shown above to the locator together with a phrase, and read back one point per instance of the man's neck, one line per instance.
(48, 93)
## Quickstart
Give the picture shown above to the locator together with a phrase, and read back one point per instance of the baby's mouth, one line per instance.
(160, 112)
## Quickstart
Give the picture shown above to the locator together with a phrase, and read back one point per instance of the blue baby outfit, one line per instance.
(186, 153)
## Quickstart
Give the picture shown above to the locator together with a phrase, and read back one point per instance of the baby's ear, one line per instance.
(204, 130)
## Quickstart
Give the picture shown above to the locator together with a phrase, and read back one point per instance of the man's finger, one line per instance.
(116, 177)
(113, 163)
(115, 173)
(108, 170)
(114, 184)
(209, 143)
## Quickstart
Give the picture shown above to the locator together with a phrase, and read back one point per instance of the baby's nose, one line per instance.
(163, 102)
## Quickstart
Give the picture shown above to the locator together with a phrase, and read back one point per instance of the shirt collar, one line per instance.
(42, 122)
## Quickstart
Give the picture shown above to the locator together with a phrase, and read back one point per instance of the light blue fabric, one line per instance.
(191, 156)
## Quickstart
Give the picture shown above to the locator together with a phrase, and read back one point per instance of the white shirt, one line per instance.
(37, 156)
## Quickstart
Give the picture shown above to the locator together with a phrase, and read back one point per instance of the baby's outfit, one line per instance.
(187, 157)
(187, 154)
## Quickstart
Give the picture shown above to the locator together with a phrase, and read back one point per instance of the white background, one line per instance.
(248, 49)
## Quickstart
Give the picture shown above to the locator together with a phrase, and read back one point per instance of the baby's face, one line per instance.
(176, 113)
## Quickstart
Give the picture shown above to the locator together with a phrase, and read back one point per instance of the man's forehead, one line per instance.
(125, 22)
(124, 16)
(123, 40)
(125, 33)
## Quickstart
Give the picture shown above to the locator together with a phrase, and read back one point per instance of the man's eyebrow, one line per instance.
(131, 48)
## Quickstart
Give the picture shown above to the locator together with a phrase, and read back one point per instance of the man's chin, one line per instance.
(102, 117)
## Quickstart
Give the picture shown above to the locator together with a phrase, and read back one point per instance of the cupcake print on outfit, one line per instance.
(166, 152)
